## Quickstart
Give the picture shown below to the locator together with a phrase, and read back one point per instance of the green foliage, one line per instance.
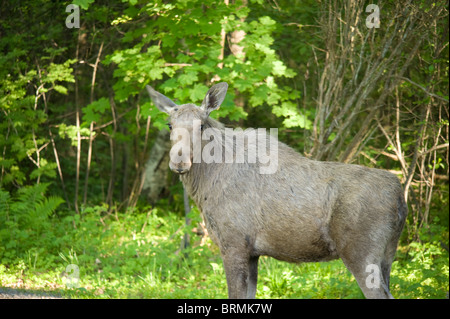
(24, 119)
(425, 273)
(54, 97)
(25, 221)
(84, 4)
(174, 47)
(184, 63)
(93, 112)
(138, 255)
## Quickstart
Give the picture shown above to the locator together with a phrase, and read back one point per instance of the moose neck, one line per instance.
(206, 171)
(227, 154)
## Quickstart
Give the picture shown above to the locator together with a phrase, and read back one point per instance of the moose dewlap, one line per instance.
(280, 204)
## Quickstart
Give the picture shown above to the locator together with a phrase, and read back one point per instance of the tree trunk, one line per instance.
(156, 168)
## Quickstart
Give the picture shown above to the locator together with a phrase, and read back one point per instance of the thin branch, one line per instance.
(139, 184)
(396, 150)
(424, 89)
(302, 25)
(91, 127)
(223, 35)
(434, 148)
(178, 64)
(77, 122)
(58, 165)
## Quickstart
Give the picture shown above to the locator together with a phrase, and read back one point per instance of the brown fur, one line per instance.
(306, 211)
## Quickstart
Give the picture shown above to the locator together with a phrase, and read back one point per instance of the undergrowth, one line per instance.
(138, 254)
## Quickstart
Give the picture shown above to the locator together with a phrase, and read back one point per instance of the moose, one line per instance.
(303, 211)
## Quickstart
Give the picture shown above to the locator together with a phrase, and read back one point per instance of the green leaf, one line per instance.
(278, 68)
(84, 4)
(293, 118)
(188, 78)
(266, 21)
(61, 89)
(273, 98)
(260, 95)
(94, 111)
(198, 92)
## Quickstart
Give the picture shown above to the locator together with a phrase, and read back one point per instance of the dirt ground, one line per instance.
(11, 293)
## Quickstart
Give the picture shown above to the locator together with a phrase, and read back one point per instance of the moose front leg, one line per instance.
(252, 277)
(241, 273)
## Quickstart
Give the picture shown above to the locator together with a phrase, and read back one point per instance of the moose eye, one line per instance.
(170, 126)
(201, 127)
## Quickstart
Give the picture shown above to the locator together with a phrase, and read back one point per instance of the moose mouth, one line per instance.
(180, 171)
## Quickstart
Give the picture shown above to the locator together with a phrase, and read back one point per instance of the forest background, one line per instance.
(88, 207)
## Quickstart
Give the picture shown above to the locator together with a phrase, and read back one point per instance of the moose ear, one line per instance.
(163, 103)
(214, 97)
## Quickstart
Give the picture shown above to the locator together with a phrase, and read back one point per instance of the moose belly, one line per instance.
(296, 246)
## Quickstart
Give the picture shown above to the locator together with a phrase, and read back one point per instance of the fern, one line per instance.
(32, 194)
(30, 205)
(24, 219)
(27, 199)
(4, 202)
(48, 206)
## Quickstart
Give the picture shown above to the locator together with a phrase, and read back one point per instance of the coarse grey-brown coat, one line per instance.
(304, 211)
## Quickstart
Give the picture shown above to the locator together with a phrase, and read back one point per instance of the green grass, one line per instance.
(138, 255)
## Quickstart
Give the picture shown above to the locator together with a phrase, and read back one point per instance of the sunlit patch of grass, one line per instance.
(139, 256)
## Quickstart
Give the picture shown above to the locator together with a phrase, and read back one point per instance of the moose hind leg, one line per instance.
(388, 257)
(366, 262)
(370, 279)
